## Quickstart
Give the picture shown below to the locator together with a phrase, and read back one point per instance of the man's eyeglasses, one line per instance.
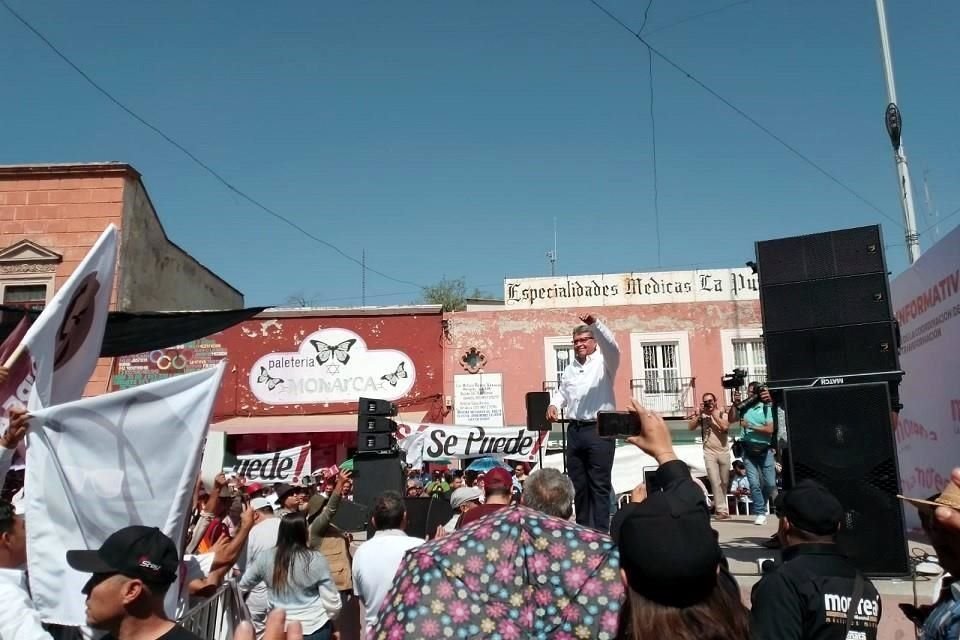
(581, 340)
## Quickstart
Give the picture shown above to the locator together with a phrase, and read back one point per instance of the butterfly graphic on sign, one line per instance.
(270, 381)
(325, 352)
(332, 365)
(394, 377)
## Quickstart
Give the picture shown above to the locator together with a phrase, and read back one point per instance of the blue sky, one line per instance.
(444, 136)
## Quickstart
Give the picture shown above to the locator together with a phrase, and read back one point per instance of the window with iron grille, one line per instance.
(31, 296)
(563, 356)
(749, 355)
(661, 369)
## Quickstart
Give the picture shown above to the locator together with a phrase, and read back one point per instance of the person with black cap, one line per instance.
(132, 572)
(676, 581)
(816, 593)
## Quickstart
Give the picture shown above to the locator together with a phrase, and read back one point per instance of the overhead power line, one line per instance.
(940, 221)
(789, 147)
(196, 160)
(677, 23)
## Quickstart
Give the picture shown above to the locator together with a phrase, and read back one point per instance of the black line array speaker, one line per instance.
(843, 437)
(424, 515)
(826, 306)
(375, 473)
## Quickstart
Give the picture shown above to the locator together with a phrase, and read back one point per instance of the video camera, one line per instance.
(752, 400)
(734, 380)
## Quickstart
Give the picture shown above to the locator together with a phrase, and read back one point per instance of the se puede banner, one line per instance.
(433, 442)
(279, 466)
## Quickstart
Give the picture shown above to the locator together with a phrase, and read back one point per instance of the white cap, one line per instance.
(260, 503)
(464, 495)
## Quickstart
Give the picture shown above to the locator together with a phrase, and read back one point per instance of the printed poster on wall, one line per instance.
(478, 399)
(926, 299)
(159, 364)
(330, 366)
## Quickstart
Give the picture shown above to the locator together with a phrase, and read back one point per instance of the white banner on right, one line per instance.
(926, 300)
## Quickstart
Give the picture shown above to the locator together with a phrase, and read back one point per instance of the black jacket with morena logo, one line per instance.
(806, 598)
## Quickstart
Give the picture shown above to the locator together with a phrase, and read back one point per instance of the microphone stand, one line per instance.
(563, 440)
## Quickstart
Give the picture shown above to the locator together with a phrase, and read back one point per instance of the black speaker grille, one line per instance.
(373, 474)
(826, 303)
(822, 255)
(843, 438)
(832, 351)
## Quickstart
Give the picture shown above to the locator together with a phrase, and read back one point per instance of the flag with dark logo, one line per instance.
(63, 344)
(103, 463)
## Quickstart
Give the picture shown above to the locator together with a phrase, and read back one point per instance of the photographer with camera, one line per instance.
(716, 451)
(756, 418)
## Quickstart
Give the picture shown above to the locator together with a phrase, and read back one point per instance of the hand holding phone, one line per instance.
(617, 424)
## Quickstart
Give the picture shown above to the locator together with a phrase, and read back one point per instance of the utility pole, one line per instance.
(894, 127)
(552, 255)
(363, 277)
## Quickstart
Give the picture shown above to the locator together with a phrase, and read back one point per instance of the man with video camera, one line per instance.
(716, 452)
(756, 418)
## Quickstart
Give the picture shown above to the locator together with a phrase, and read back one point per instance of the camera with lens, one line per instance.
(751, 401)
(734, 380)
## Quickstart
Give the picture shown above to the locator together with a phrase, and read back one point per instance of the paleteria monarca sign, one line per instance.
(330, 366)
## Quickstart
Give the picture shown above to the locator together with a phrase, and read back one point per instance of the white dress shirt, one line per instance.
(587, 388)
(18, 618)
(375, 565)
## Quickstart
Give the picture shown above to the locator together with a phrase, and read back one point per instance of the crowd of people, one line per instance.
(304, 578)
(675, 576)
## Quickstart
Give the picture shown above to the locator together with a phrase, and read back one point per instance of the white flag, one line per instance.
(103, 463)
(64, 342)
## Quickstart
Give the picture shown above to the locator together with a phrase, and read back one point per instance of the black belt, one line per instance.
(582, 423)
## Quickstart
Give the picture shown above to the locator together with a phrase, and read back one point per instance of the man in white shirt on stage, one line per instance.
(586, 388)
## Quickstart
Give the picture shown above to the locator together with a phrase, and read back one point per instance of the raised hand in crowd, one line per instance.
(587, 319)
(342, 479)
(947, 516)
(16, 430)
(274, 629)
(639, 493)
(654, 438)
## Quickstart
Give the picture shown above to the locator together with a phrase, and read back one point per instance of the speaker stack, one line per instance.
(377, 465)
(831, 345)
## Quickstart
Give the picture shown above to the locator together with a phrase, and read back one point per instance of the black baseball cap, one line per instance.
(139, 552)
(810, 506)
(668, 549)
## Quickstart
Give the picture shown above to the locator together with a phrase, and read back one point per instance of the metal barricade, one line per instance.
(217, 617)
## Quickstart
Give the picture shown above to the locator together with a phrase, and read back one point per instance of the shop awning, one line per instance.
(341, 423)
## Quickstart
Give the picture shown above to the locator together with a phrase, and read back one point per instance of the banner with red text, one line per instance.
(926, 300)
(279, 466)
(434, 442)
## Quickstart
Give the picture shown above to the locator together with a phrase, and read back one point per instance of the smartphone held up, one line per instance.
(618, 424)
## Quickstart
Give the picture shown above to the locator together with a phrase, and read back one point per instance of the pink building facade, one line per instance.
(678, 333)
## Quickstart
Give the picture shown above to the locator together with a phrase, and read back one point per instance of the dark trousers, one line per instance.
(589, 464)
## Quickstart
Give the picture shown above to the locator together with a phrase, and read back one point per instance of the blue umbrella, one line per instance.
(482, 465)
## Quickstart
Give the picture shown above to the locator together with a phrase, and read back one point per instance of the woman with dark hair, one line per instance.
(673, 571)
(298, 579)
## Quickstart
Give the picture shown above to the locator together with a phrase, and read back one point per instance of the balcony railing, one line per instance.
(550, 385)
(667, 395)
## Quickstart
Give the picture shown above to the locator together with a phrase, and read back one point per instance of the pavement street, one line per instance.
(740, 540)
